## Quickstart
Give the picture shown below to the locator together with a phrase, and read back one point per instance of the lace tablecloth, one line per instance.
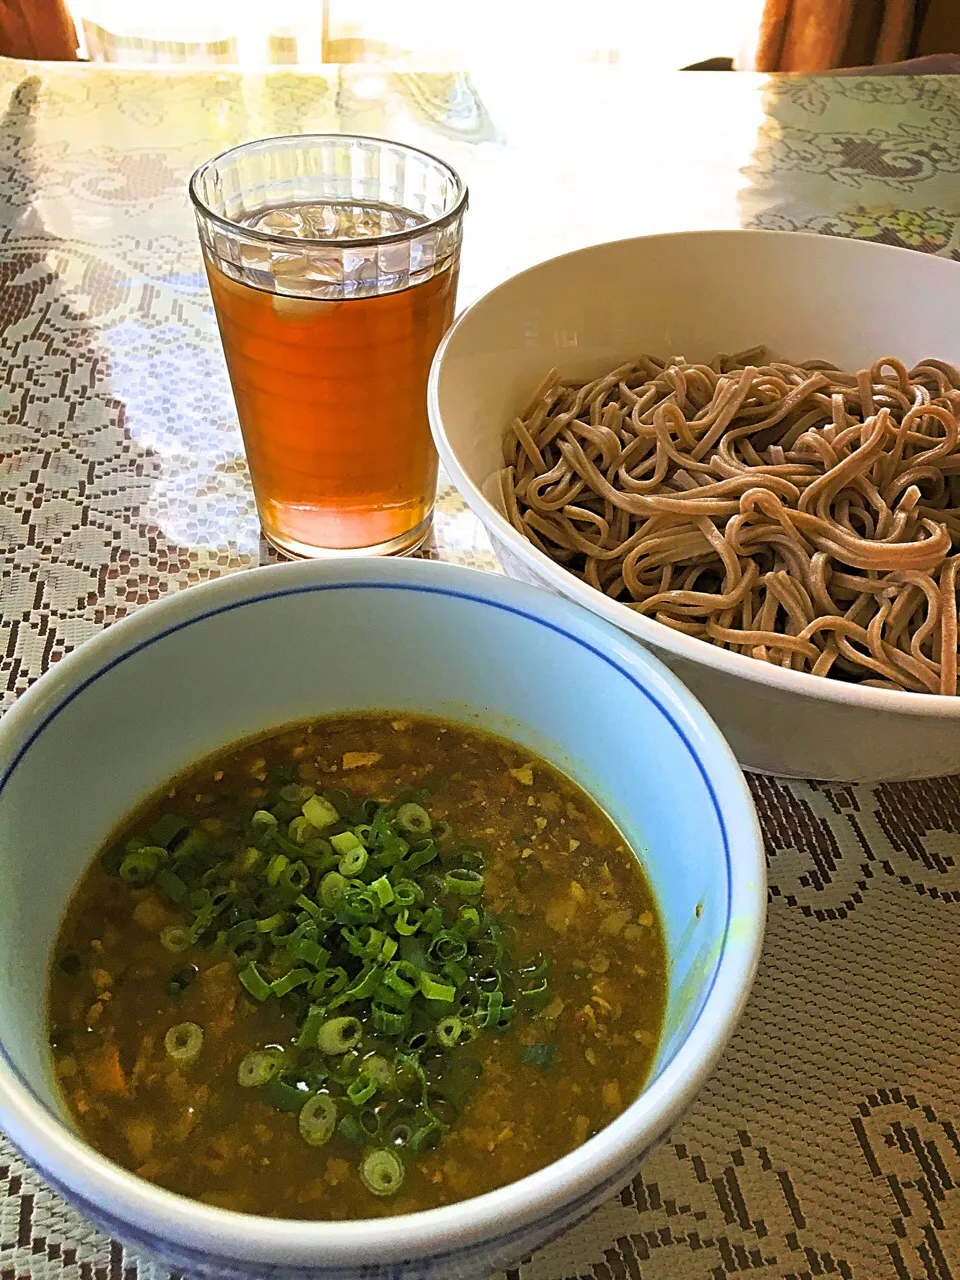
(828, 1142)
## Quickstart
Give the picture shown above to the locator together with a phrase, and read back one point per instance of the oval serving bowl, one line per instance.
(251, 651)
(695, 294)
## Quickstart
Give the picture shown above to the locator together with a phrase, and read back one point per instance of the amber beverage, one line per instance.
(330, 312)
(332, 400)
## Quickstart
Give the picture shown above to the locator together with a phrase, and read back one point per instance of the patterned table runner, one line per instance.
(827, 1143)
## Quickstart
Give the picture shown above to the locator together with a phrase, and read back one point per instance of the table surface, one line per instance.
(827, 1141)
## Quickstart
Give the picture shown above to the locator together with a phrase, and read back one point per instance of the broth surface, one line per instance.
(560, 881)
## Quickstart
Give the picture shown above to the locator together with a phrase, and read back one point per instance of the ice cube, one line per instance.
(255, 257)
(361, 274)
(391, 221)
(423, 252)
(358, 222)
(311, 273)
(225, 248)
(395, 258)
(320, 220)
(281, 222)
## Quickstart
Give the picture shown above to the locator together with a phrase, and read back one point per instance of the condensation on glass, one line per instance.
(333, 264)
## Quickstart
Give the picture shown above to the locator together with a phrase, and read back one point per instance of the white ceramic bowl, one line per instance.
(232, 657)
(695, 294)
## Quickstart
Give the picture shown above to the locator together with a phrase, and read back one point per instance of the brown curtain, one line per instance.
(820, 35)
(37, 29)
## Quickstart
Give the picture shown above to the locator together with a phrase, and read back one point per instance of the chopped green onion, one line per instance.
(246, 861)
(422, 852)
(407, 893)
(384, 890)
(220, 898)
(344, 841)
(414, 819)
(308, 951)
(406, 924)
(300, 830)
(369, 1122)
(295, 877)
(275, 866)
(448, 1031)
(535, 998)
(456, 973)
(282, 1096)
(432, 920)
(166, 831)
(331, 888)
(365, 942)
(403, 979)
(361, 988)
(318, 1119)
(379, 1070)
(507, 1012)
(353, 861)
(468, 921)
(357, 905)
(490, 1008)
(294, 793)
(246, 947)
(320, 813)
(198, 899)
(433, 990)
(399, 1129)
(447, 946)
(361, 1090)
(307, 1039)
(352, 1130)
(176, 937)
(254, 982)
(382, 954)
(290, 981)
(464, 883)
(381, 1171)
(140, 868)
(388, 950)
(329, 981)
(337, 1035)
(184, 1042)
(259, 1067)
(389, 1022)
(193, 843)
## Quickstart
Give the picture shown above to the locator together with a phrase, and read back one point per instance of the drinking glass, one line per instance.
(333, 264)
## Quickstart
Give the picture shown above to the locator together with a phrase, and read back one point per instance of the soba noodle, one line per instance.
(799, 514)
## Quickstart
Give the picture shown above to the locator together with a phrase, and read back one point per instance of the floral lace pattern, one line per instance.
(826, 1143)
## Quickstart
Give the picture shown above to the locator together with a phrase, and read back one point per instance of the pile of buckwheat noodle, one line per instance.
(797, 513)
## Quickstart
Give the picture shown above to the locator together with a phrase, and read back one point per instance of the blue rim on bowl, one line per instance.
(116, 1197)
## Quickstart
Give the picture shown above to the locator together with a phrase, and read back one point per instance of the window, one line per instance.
(649, 34)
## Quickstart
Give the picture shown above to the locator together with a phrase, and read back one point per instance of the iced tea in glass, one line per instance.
(333, 263)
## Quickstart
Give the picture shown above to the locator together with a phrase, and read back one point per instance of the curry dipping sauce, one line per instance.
(361, 966)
